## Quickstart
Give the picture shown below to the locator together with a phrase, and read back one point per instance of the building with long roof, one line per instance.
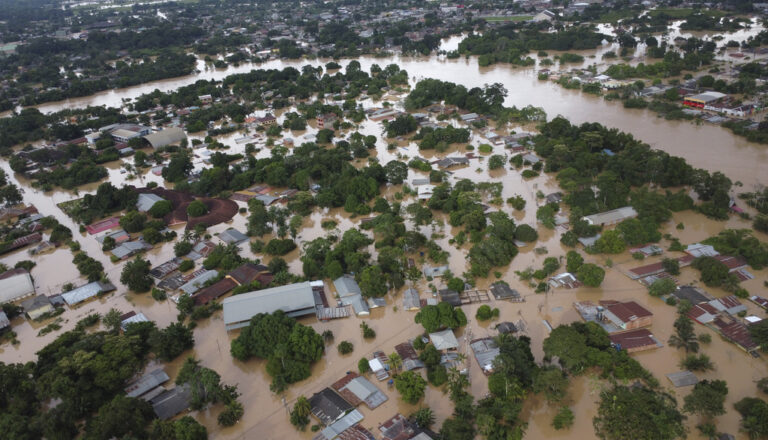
(294, 299)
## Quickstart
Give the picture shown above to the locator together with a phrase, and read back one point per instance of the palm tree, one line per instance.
(684, 336)
(395, 361)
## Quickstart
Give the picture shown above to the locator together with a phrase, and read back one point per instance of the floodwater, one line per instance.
(266, 416)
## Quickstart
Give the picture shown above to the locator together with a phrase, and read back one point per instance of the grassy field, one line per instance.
(685, 12)
(614, 16)
(510, 18)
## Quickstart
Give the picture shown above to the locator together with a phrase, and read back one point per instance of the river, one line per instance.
(705, 146)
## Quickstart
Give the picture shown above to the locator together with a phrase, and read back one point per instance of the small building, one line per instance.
(171, 402)
(197, 282)
(132, 318)
(247, 273)
(345, 428)
(356, 390)
(729, 304)
(146, 201)
(434, 272)
(328, 406)
(703, 99)
(130, 248)
(293, 299)
(691, 294)
(397, 428)
(37, 306)
(214, 291)
(163, 138)
(162, 271)
(452, 297)
(15, 284)
(424, 192)
(450, 162)
(627, 315)
(760, 301)
(350, 294)
(232, 235)
(502, 291)
(147, 383)
(697, 250)
(444, 340)
(565, 279)
(409, 356)
(326, 120)
(531, 158)
(86, 291)
(266, 120)
(611, 217)
(683, 379)
(635, 340)
(486, 351)
(411, 300)
(506, 327)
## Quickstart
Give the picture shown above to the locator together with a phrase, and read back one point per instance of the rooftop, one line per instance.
(293, 299)
(444, 340)
(328, 406)
(15, 284)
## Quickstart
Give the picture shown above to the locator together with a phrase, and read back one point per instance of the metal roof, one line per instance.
(444, 340)
(197, 282)
(612, 216)
(82, 293)
(146, 201)
(16, 286)
(136, 318)
(485, 351)
(352, 418)
(232, 236)
(293, 299)
(411, 299)
(172, 402)
(146, 383)
(366, 391)
(165, 137)
(4, 321)
(346, 286)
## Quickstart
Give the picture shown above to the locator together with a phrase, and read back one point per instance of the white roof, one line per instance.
(15, 287)
(375, 365)
(753, 319)
(291, 298)
(346, 286)
(612, 216)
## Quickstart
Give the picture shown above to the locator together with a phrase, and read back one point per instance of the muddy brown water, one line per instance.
(266, 414)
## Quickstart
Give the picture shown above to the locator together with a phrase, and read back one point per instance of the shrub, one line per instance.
(363, 366)
(368, 333)
(196, 209)
(484, 313)
(186, 265)
(345, 347)
(563, 419)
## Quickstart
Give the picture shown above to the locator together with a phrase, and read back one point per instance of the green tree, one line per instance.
(300, 413)
(363, 366)
(396, 172)
(684, 336)
(423, 417)
(197, 208)
(161, 209)
(591, 275)
(526, 233)
(371, 282)
(707, 398)
(135, 275)
(171, 341)
(345, 347)
(121, 417)
(573, 261)
(179, 166)
(671, 265)
(754, 416)
(661, 287)
(411, 386)
(552, 383)
(638, 413)
(112, 320)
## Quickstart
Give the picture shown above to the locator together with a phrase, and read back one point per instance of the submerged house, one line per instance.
(350, 294)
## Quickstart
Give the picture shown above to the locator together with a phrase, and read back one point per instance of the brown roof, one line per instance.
(12, 273)
(700, 309)
(634, 339)
(627, 311)
(406, 351)
(214, 291)
(396, 428)
(732, 263)
(654, 268)
(345, 393)
(735, 331)
(729, 301)
(247, 273)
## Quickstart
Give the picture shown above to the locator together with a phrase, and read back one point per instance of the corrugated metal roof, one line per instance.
(146, 383)
(232, 236)
(291, 298)
(351, 419)
(15, 287)
(165, 137)
(146, 201)
(138, 317)
(444, 340)
(197, 282)
(82, 293)
(346, 286)
(366, 391)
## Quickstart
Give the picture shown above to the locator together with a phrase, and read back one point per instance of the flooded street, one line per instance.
(266, 414)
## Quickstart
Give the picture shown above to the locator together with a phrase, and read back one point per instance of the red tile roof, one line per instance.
(345, 393)
(732, 263)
